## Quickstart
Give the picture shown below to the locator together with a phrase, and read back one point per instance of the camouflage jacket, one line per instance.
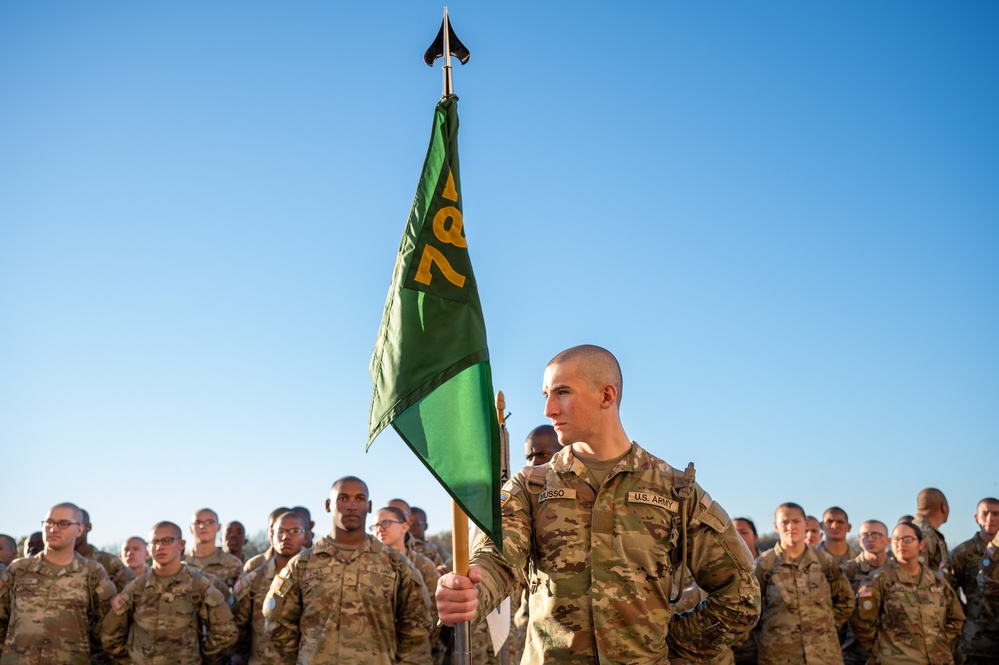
(859, 572)
(119, 573)
(600, 562)
(988, 589)
(224, 566)
(49, 614)
(805, 600)
(903, 620)
(429, 574)
(980, 636)
(431, 551)
(851, 553)
(693, 594)
(934, 546)
(168, 621)
(248, 595)
(258, 560)
(337, 605)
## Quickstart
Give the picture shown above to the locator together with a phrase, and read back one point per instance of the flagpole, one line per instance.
(459, 544)
(504, 654)
(448, 85)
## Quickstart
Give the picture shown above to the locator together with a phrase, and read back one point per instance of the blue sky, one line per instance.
(782, 217)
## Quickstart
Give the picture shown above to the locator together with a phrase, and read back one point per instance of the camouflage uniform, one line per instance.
(429, 575)
(119, 573)
(859, 572)
(224, 566)
(978, 639)
(429, 550)
(173, 620)
(934, 546)
(350, 605)
(249, 593)
(902, 620)
(693, 594)
(851, 553)
(600, 563)
(48, 614)
(987, 617)
(258, 560)
(804, 601)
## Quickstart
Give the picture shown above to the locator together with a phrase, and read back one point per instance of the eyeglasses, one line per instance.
(908, 540)
(163, 542)
(294, 531)
(61, 524)
(873, 536)
(384, 524)
(202, 525)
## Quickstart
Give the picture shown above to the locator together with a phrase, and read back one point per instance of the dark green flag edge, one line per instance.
(494, 535)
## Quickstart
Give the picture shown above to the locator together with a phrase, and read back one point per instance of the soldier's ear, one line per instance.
(328, 506)
(369, 506)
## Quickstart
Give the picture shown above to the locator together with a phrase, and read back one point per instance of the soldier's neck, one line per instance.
(166, 571)
(911, 567)
(349, 538)
(205, 549)
(876, 560)
(58, 557)
(837, 547)
(793, 550)
(603, 450)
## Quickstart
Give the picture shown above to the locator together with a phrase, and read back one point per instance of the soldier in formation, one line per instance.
(51, 603)
(597, 531)
(349, 599)
(134, 553)
(207, 556)
(806, 598)
(963, 571)
(859, 570)
(171, 615)
(906, 613)
(254, 646)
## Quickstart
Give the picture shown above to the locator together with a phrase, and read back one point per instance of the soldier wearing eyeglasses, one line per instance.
(206, 555)
(170, 615)
(859, 570)
(254, 647)
(51, 603)
(906, 613)
(349, 599)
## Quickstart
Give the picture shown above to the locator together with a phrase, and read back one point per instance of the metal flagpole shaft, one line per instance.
(459, 544)
(448, 85)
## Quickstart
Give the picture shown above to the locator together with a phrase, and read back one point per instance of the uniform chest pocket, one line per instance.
(901, 608)
(816, 587)
(783, 587)
(647, 537)
(28, 590)
(560, 533)
(69, 592)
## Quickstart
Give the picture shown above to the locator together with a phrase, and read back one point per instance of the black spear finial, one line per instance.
(445, 45)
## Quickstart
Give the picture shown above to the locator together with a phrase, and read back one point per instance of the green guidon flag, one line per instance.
(430, 367)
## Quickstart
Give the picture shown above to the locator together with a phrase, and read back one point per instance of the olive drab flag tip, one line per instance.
(430, 367)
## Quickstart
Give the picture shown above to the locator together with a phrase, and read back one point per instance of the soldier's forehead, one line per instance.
(166, 530)
(61, 512)
(350, 487)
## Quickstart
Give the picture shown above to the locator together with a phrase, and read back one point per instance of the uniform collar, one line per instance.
(636, 461)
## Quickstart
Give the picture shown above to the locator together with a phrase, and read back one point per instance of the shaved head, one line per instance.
(930, 499)
(596, 365)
